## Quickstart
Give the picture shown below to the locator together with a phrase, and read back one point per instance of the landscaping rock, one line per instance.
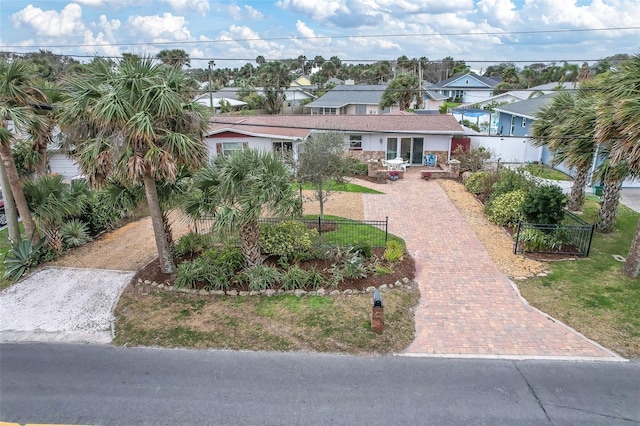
(218, 292)
(204, 292)
(243, 293)
(348, 291)
(299, 292)
(334, 293)
(370, 289)
(321, 292)
(269, 292)
(255, 293)
(383, 287)
(406, 281)
(232, 293)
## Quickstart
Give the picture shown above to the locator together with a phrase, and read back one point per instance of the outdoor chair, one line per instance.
(430, 160)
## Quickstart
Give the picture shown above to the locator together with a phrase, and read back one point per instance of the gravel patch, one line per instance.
(62, 304)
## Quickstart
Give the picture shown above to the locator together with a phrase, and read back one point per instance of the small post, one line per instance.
(377, 313)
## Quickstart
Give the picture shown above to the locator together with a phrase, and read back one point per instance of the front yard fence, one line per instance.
(572, 237)
(344, 232)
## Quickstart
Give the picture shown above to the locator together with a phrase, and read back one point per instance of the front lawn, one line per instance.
(546, 172)
(591, 295)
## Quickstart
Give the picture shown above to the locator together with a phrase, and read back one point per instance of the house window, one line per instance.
(229, 147)
(384, 110)
(355, 142)
(466, 82)
(524, 122)
(282, 149)
(513, 125)
(361, 109)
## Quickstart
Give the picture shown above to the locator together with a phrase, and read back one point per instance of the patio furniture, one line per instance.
(430, 160)
(397, 164)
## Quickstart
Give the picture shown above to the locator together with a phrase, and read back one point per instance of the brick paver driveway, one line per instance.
(467, 306)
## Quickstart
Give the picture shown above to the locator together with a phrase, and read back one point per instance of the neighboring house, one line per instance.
(387, 136)
(347, 99)
(488, 122)
(304, 81)
(219, 103)
(432, 100)
(296, 97)
(465, 88)
(514, 124)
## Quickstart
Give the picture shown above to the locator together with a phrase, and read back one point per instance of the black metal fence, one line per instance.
(344, 232)
(572, 237)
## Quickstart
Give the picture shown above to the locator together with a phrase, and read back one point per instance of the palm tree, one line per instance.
(236, 190)
(18, 96)
(567, 127)
(620, 122)
(275, 78)
(133, 121)
(174, 57)
(402, 90)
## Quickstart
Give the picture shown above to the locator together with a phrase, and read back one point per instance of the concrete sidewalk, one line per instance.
(467, 306)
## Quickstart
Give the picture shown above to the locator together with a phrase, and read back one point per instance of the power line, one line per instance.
(358, 36)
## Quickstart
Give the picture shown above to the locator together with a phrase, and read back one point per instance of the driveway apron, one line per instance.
(467, 306)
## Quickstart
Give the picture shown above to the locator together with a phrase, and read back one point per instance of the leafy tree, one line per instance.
(321, 161)
(133, 121)
(18, 95)
(402, 90)
(236, 190)
(544, 204)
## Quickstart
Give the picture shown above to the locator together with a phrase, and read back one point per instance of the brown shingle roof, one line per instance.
(301, 125)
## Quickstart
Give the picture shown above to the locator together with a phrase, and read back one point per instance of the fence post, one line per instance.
(386, 230)
(320, 227)
(590, 239)
(515, 244)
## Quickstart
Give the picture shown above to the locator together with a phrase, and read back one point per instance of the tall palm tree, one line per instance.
(236, 190)
(275, 78)
(566, 127)
(620, 122)
(133, 121)
(18, 96)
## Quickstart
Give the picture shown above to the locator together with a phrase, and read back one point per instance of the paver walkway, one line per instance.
(467, 306)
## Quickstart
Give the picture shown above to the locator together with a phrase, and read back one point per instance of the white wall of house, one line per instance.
(60, 164)
(229, 143)
(353, 109)
(509, 150)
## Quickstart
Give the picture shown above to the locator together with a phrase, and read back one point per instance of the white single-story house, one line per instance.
(387, 136)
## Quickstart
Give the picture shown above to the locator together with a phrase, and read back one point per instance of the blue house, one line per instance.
(465, 88)
(514, 124)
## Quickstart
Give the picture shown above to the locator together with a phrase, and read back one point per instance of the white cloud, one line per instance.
(254, 14)
(304, 30)
(498, 12)
(319, 10)
(166, 27)
(200, 6)
(50, 23)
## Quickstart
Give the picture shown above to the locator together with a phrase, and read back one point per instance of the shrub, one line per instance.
(286, 238)
(21, 256)
(189, 274)
(536, 240)
(472, 160)
(75, 233)
(294, 278)
(544, 204)
(260, 277)
(192, 243)
(510, 180)
(394, 251)
(506, 208)
(480, 183)
(364, 250)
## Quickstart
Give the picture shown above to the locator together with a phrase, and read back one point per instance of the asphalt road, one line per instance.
(95, 384)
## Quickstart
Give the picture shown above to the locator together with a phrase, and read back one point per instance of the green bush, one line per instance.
(260, 277)
(510, 180)
(21, 256)
(544, 204)
(506, 208)
(294, 278)
(535, 240)
(472, 160)
(394, 251)
(364, 250)
(192, 243)
(75, 233)
(480, 183)
(286, 238)
(189, 274)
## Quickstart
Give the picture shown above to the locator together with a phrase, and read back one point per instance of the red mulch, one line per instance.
(404, 268)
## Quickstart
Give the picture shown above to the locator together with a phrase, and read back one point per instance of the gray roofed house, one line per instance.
(526, 108)
(361, 99)
(468, 87)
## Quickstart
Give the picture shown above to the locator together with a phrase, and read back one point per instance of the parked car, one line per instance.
(3, 217)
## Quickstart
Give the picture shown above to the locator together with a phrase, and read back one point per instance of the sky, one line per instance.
(230, 32)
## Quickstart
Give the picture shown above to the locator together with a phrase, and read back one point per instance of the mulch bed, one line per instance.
(405, 268)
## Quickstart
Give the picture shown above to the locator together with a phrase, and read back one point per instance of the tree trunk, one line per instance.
(609, 208)
(321, 200)
(18, 194)
(250, 244)
(631, 266)
(576, 201)
(162, 244)
(11, 214)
